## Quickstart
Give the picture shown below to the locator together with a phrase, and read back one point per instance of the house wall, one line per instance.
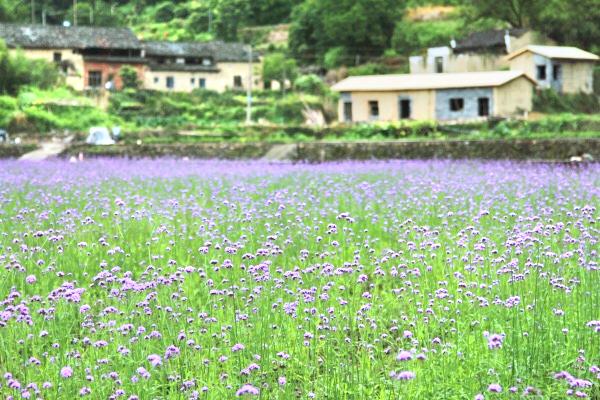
(575, 76)
(505, 100)
(108, 69)
(515, 96)
(470, 97)
(422, 105)
(217, 81)
(578, 77)
(74, 77)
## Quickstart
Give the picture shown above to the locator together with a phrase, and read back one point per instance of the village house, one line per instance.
(89, 57)
(185, 66)
(442, 97)
(564, 69)
(479, 51)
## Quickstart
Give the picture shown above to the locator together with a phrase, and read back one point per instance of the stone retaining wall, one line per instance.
(547, 149)
(14, 150)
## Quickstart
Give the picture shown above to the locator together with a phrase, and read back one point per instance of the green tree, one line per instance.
(363, 28)
(230, 15)
(280, 68)
(17, 71)
(568, 22)
(267, 12)
(129, 77)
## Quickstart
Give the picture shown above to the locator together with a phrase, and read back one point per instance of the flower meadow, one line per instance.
(174, 279)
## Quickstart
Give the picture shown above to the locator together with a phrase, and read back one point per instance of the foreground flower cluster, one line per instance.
(213, 280)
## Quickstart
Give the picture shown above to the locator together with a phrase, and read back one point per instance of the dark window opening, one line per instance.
(541, 72)
(57, 57)
(348, 111)
(374, 109)
(237, 81)
(192, 81)
(457, 104)
(404, 109)
(170, 82)
(267, 85)
(202, 83)
(439, 65)
(483, 105)
(95, 79)
(156, 79)
(556, 72)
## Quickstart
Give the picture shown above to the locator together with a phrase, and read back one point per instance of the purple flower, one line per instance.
(247, 389)
(66, 372)
(31, 279)
(495, 388)
(154, 360)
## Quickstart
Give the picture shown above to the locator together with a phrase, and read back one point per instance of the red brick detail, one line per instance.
(108, 69)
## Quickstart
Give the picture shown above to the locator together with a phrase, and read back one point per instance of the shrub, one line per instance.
(129, 77)
(311, 84)
(17, 71)
(549, 101)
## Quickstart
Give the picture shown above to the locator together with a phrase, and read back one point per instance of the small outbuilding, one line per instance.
(443, 97)
(562, 68)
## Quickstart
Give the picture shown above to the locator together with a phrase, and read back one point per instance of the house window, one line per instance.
(556, 72)
(374, 109)
(192, 81)
(206, 62)
(404, 108)
(439, 65)
(170, 82)
(57, 57)
(95, 79)
(156, 79)
(483, 105)
(457, 104)
(347, 111)
(541, 72)
(237, 81)
(202, 83)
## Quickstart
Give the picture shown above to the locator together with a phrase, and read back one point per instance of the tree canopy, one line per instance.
(360, 27)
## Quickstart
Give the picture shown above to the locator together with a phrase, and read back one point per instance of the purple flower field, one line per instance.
(175, 279)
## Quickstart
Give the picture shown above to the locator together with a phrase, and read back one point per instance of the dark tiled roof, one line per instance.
(217, 50)
(75, 37)
(486, 40)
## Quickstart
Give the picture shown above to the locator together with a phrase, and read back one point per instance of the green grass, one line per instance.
(523, 233)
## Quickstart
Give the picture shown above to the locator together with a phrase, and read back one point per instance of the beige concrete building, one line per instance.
(443, 97)
(88, 57)
(185, 66)
(479, 51)
(564, 69)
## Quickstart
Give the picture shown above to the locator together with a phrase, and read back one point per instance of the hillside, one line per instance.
(323, 32)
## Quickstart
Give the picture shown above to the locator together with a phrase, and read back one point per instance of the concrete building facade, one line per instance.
(442, 97)
(564, 69)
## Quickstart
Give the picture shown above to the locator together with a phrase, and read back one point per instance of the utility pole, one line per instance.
(249, 88)
(74, 12)
(209, 20)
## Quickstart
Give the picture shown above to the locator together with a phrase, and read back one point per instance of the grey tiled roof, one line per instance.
(75, 37)
(217, 50)
(486, 40)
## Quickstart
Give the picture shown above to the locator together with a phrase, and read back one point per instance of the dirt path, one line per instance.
(46, 150)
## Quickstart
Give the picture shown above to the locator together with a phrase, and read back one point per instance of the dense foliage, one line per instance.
(17, 71)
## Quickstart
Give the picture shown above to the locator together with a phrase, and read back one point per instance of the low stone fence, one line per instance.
(543, 149)
(547, 149)
(15, 150)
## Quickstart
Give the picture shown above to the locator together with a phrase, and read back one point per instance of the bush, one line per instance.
(129, 77)
(335, 57)
(311, 84)
(17, 71)
(549, 101)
